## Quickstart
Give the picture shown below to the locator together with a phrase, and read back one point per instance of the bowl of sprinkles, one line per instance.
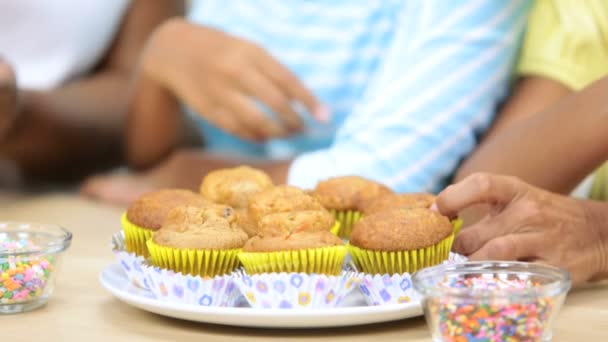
(491, 301)
(29, 258)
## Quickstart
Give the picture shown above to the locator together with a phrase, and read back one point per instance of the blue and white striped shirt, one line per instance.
(410, 83)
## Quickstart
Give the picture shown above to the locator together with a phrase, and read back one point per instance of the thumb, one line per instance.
(480, 188)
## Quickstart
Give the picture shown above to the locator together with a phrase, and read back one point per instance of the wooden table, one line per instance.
(81, 310)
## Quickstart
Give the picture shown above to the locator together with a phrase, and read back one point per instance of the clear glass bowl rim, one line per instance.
(560, 283)
(61, 241)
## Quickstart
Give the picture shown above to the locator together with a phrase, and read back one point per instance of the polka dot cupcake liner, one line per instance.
(295, 290)
(130, 262)
(170, 286)
(386, 289)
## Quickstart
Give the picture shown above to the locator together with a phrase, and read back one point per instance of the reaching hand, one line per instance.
(221, 77)
(529, 224)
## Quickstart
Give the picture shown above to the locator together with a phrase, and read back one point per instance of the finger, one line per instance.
(477, 189)
(511, 247)
(259, 86)
(248, 115)
(471, 239)
(296, 90)
(228, 121)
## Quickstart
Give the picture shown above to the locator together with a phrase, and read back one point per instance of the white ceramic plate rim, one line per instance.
(250, 317)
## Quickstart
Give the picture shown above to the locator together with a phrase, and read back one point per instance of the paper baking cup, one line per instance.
(335, 229)
(135, 236)
(130, 263)
(173, 287)
(457, 224)
(295, 290)
(347, 219)
(325, 260)
(380, 262)
(201, 262)
(383, 289)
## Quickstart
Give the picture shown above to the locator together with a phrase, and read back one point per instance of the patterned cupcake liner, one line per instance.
(201, 262)
(347, 219)
(385, 289)
(130, 263)
(325, 260)
(174, 287)
(398, 262)
(135, 236)
(295, 290)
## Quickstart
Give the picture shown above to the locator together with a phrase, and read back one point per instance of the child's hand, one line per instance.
(8, 98)
(221, 77)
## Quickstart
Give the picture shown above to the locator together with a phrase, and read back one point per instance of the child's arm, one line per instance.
(420, 116)
(218, 76)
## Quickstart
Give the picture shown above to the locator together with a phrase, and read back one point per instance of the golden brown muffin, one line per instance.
(201, 228)
(304, 240)
(245, 221)
(284, 224)
(150, 210)
(394, 201)
(281, 199)
(234, 186)
(400, 230)
(348, 192)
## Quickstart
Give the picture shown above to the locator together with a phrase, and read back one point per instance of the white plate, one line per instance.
(353, 312)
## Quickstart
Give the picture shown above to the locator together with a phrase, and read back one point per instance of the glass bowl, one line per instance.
(491, 301)
(30, 254)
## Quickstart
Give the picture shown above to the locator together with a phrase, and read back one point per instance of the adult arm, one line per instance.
(70, 131)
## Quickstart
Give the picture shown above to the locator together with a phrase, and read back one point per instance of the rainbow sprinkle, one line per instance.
(23, 277)
(490, 320)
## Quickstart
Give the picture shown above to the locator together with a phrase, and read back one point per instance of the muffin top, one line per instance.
(234, 186)
(348, 192)
(213, 227)
(244, 220)
(394, 201)
(281, 199)
(150, 210)
(400, 230)
(303, 240)
(287, 223)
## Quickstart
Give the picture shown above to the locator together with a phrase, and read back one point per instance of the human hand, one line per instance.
(8, 98)
(221, 77)
(529, 224)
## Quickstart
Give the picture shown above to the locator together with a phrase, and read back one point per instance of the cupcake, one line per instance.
(147, 214)
(281, 199)
(287, 223)
(319, 252)
(234, 187)
(198, 241)
(400, 240)
(394, 201)
(346, 197)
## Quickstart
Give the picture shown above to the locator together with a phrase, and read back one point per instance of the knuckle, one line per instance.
(483, 182)
(530, 209)
(502, 248)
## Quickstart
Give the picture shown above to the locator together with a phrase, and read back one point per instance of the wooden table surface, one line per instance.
(81, 310)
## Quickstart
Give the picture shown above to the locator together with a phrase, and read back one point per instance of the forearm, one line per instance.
(60, 133)
(554, 150)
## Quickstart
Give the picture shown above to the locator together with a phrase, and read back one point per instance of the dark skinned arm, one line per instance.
(73, 130)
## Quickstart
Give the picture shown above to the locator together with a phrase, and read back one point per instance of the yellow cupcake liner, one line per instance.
(335, 229)
(347, 219)
(457, 224)
(323, 260)
(135, 237)
(379, 262)
(202, 262)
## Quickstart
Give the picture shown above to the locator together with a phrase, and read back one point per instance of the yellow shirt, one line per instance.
(567, 40)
